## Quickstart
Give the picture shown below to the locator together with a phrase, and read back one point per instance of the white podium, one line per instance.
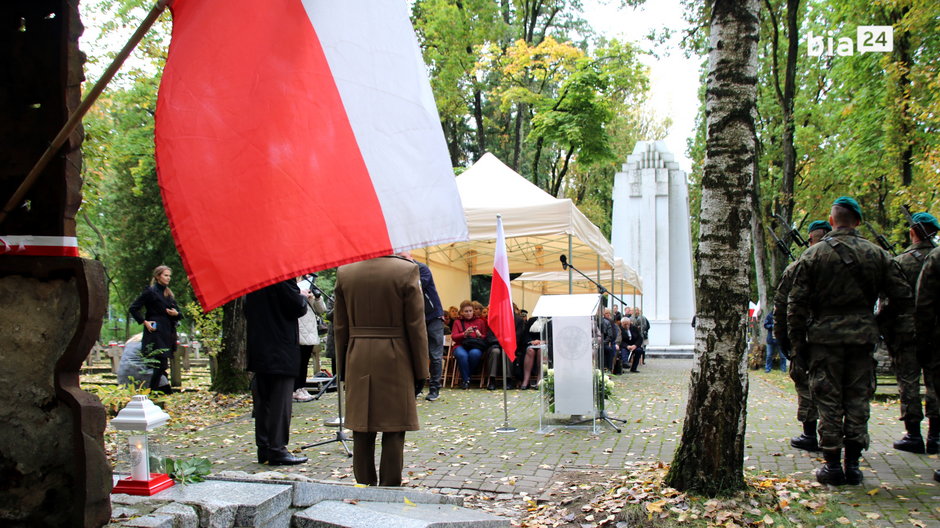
(572, 336)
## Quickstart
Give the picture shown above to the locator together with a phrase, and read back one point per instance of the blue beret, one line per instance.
(819, 224)
(926, 219)
(849, 203)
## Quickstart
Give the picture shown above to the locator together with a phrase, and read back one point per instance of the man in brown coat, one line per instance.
(381, 352)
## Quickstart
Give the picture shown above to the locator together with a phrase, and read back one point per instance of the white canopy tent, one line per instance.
(539, 229)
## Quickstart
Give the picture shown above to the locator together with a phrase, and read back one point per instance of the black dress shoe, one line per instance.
(262, 455)
(464, 385)
(936, 475)
(491, 386)
(282, 457)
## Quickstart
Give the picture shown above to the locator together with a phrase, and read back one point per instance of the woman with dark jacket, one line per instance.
(161, 314)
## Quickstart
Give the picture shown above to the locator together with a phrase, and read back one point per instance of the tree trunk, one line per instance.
(710, 457)
(789, 148)
(230, 375)
(478, 119)
(759, 246)
(517, 137)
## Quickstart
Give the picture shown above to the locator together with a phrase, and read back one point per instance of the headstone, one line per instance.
(651, 232)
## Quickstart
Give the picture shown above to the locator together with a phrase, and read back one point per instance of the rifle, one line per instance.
(781, 245)
(917, 227)
(791, 232)
(882, 240)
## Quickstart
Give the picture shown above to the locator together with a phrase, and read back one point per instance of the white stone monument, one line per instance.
(650, 231)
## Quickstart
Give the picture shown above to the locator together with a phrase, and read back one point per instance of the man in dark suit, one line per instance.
(271, 314)
(382, 355)
(631, 345)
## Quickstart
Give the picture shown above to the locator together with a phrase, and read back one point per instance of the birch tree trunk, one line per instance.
(710, 456)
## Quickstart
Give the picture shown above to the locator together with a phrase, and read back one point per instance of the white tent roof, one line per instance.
(537, 225)
(625, 280)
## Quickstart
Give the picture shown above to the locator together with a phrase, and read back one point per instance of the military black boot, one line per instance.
(831, 473)
(933, 436)
(912, 442)
(807, 440)
(853, 475)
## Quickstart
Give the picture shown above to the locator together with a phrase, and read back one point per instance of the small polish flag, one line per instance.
(501, 317)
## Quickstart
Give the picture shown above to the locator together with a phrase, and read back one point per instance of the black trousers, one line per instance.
(305, 352)
(271, 395)
(391, 465)
(159, 374)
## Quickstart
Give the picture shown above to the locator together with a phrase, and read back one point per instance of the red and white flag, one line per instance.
(298, 135)
(501, 318)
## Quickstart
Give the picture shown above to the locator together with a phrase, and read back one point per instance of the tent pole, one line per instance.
(570, 270)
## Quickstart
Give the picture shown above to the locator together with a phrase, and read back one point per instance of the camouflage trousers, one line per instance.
(806, 406)
(842, 379)
(908, 371)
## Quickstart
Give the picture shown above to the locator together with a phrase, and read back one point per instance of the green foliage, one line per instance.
(529, 82)
(184, 470)
(207, 326)
(116, 397)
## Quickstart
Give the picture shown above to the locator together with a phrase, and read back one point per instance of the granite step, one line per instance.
(363, 514)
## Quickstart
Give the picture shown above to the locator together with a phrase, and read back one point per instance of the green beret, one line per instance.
(926, 219)
(849, 203)
(819, 224)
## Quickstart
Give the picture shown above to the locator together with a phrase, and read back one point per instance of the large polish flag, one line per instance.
(501, 318)
(297, 135)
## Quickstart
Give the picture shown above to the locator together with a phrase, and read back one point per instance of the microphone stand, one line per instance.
(340, 435)
(600, 392)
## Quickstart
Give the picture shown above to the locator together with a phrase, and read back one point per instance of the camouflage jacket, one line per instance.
(927, 314)
(834, 290)
(911, 262)
(780, 304)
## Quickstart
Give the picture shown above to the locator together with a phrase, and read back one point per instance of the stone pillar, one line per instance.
(53, 469)
(52, 460)
(651, 232)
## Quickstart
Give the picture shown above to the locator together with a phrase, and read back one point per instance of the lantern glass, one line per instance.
(139, 457)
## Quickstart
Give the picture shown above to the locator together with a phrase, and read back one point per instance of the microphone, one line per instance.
(564, 261)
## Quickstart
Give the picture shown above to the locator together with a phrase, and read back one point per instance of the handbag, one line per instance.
(473, 342)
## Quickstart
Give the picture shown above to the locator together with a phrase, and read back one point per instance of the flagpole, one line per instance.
(506, 428)
(83, 108)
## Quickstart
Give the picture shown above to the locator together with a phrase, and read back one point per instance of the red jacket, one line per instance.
(456, 333)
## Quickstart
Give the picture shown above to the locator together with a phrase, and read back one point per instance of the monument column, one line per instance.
(650, 231)
(53, 467)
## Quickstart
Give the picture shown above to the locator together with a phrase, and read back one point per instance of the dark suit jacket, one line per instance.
(271, 315)
(633, 336)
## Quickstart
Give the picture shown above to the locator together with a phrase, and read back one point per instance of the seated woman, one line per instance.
(533, 348)
(468, 334)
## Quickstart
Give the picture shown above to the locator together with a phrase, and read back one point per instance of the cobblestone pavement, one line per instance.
(458, 449)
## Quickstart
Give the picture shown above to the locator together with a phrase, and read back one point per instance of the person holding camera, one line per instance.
(309, 336)
(468, 335)
(159, 320)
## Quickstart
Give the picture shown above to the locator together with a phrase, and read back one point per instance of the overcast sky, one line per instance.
(674, 78)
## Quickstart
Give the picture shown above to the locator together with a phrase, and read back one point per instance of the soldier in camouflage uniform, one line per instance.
(806, 407)
(832, 329)
(901, 344)
(927, 320)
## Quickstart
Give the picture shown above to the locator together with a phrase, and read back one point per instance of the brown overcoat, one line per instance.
(381, 342)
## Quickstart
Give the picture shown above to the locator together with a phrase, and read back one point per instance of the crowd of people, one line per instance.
(389, 331)
(825, 321)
